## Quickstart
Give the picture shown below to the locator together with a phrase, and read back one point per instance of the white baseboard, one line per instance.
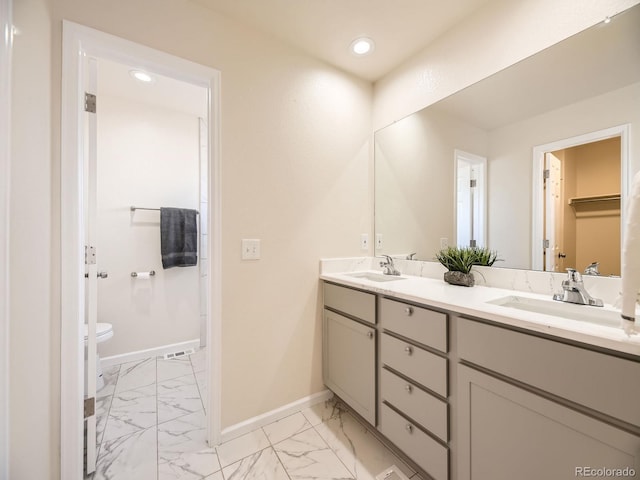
(279, 413)
(238, 429)
(150, 352)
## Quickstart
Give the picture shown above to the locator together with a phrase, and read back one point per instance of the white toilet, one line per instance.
(104, 331)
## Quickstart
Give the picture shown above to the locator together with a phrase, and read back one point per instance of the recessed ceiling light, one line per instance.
(362, 46)
(141, 76)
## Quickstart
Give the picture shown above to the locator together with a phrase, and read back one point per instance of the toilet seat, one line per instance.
(104, 331)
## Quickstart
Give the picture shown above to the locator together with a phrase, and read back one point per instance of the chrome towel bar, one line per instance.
(151, 273)
(133, 209)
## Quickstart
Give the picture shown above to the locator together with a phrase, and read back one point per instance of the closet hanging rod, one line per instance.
(133, 209)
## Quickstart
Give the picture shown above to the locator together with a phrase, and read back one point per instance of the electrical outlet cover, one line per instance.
(364, 242)
(250, 249)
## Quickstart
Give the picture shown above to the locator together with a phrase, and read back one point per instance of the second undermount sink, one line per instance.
(583, 313)
(375, 277)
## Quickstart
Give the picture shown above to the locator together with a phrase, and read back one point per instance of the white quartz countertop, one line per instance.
(472, 301)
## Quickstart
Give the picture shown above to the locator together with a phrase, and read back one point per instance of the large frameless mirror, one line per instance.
(586, 84)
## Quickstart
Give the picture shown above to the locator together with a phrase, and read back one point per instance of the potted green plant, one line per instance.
(459, 260)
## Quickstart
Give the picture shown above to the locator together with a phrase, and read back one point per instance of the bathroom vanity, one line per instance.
(468, 393)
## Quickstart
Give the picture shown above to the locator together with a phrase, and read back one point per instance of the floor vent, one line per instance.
(181, 353)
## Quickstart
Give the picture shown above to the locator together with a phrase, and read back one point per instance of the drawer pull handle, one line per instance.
(408, 349)
(408, 311)
(409, 428)
(408, 388)
(370, 334)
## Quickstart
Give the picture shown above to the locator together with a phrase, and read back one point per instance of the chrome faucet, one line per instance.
(388, 268)
(592, 269)
(574, 291)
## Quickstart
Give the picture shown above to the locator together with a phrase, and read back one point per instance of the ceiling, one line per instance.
(579, 62)
(325, 28)
(114, 79)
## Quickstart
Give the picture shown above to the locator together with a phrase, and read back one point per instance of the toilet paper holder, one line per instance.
(151, 273)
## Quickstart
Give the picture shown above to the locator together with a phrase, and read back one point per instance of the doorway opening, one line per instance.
(580, 185)
(471, 199)
(129, 150)
(582, 207)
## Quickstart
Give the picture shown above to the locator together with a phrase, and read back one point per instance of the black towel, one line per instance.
(178, 237)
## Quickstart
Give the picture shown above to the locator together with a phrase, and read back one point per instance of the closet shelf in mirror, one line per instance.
(596, 206)
(614, 197)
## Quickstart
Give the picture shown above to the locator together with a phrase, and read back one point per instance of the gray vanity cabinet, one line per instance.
(526, 407)
(413, 387)
(472, 399)
(349, 348)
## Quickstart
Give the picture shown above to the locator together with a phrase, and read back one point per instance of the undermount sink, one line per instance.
(583, 313)
(375, 277)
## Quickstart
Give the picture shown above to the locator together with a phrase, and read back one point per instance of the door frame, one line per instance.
(537, 207)
(553, 215)
(80, 41)
(6, 44)
(481, 162)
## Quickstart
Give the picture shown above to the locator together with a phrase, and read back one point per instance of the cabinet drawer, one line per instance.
(420, 324)
(352, 302)
(427, 410)
(424, 367)
(420, 447)
(596, 380)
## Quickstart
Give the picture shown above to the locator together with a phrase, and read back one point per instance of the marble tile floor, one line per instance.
(151, 426)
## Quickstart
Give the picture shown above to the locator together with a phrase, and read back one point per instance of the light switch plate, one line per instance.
(250, 249)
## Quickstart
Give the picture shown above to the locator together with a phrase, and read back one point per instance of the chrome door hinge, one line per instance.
(545, 174)
(89, 407)
(473, 183)
(89, 255)
(89, 102)
(545, 244)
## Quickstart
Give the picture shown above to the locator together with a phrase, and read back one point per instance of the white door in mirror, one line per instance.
(470, 199)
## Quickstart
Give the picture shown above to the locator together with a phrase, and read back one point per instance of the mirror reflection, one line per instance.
(462, 171)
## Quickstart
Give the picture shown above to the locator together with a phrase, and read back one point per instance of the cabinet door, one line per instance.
(349, 362)
(512, 433)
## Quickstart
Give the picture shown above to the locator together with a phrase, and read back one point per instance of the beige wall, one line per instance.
(296, 173)
(498, 35)
(599, 167)
(34, 364)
